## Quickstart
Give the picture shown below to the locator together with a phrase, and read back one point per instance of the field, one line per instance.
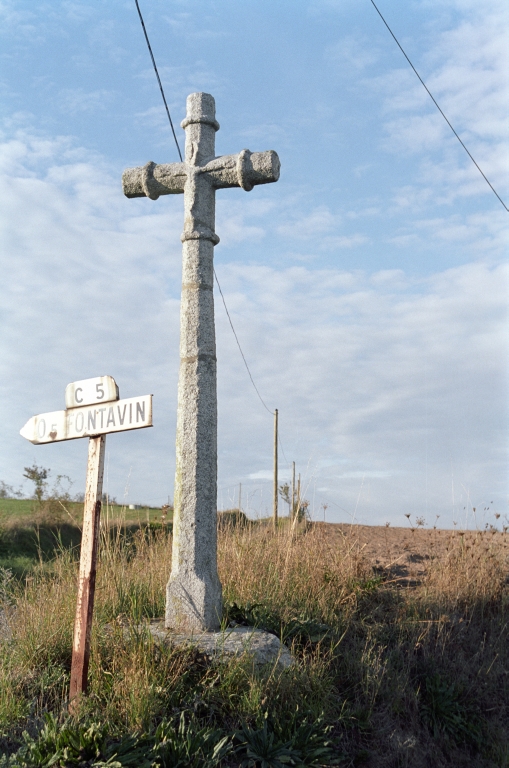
(32, 530)
(23, 510)
(399, 636)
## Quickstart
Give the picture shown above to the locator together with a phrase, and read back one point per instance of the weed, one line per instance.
(188, 745)
(6, 587)
(261, 747)
(443, 712)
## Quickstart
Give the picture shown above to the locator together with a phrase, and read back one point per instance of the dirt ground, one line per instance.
(407, 552)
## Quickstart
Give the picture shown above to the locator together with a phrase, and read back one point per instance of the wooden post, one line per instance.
(293, 490)
(274, 514)
(297, 511)
(88, 565)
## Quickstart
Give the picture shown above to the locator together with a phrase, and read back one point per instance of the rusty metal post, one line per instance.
(274, 510)
(293, 491)
(88, 565)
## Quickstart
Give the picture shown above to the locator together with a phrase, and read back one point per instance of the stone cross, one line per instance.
(193, 594)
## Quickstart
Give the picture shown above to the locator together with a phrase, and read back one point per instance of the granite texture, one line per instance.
(262, 647)
(194, 594)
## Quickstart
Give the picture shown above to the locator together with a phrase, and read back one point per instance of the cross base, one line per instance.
(193, 604)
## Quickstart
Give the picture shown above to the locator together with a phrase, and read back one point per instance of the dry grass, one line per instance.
(294, 571)
(407, 676)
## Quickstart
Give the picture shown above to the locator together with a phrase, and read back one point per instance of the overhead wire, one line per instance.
(215, 274)
(158, 79)
(178, 147)
(438, 107)
(247, 366)
(240, 348)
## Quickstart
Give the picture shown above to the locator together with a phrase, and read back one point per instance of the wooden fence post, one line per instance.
(88, 566)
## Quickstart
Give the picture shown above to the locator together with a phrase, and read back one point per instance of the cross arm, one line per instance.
(153, 180)
(246, 170)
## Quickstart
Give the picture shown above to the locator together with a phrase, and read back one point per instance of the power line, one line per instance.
(247, 367)
(281, 446)
(240, 348)
(438, 107)
(158, 78)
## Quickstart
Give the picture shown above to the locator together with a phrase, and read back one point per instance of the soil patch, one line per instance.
(405, 554)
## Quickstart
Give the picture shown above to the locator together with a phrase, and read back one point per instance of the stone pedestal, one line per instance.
(262, 647)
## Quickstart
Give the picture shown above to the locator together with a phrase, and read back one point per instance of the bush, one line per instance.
(232, 518)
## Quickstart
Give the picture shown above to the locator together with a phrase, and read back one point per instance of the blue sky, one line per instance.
(368, 286)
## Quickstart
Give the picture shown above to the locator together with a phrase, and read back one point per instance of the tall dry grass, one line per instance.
(407, 676)
(296, 570)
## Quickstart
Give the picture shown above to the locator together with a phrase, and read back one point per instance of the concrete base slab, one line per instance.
(233, 641)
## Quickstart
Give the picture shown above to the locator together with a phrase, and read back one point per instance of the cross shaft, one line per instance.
(194, 595)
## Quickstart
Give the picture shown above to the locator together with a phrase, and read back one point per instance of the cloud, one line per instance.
(352, 53)
(319, 221)
(465, 69)
(321, 225)
(184, 80)
(396, 381)
(391, 388)
(262, 474)
(83, 289)
(76, 100)
(23, 22)
(365, 474)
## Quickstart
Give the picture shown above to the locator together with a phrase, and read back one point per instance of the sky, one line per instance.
(368, 287)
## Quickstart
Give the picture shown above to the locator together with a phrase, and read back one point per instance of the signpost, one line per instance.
(93, 409)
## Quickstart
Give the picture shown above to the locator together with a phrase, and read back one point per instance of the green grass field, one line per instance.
(21, 510)
(32, 531)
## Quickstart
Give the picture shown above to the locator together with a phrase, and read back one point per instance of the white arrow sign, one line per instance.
(90, 420)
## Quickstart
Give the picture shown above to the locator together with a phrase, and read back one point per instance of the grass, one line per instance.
(32, 531)
(384, 677)
(16, 511)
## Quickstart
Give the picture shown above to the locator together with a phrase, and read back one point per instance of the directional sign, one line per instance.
(93, 410)
(90, 420)
(101, 389)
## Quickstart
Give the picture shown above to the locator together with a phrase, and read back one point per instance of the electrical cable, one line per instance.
(282, 449)
(247, 367)
(438, 107)
(240, 348)
(215, 275)
(158, 78)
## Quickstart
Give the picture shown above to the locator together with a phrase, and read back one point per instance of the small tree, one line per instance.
(300, 506)
(38, 475)
(301, 511)
(8, 492)
(284, 492)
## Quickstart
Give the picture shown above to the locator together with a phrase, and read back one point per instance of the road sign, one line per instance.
(89, 420)
(93, 410)
(101, 389)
